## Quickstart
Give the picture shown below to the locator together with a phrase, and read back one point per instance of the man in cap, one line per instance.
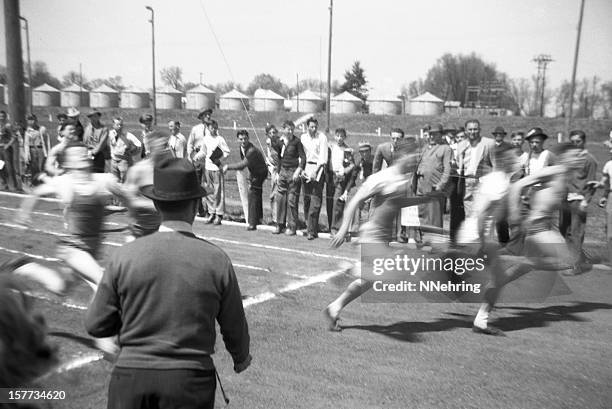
(538, 157)
(61, 119)
(95, 138)
(167, 357)
(573, 213)
(195, 143)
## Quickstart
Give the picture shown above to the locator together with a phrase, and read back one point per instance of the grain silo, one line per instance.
(168, 98)
(200, 98)
(134, 98)
(345, 103)
(46, 96)
(7, 100)
(74, 96)
(265, 100)
(307, 102)
(233, 101)
(104, 97)
(382, 104)
(426, 104)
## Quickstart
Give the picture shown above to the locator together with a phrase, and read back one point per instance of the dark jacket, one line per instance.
(253, 159)
(294, 155)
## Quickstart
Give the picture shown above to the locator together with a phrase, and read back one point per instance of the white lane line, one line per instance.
(24, 195)
(23, 253)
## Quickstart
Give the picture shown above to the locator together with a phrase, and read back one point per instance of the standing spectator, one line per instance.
(123, 145)
(538, 157)
(74, 115)
(573, 213)
(292, 161)
(177, 142)
(342, 166)
(54, 165)
(215, 149)
(61, 120)
(146, 123)
(606, 201)
(517, 139)
(501, 225)
(195, 143)
(253, 159)
(36, 145)
(457, 213)
(315, 147)
(476, 160)
(95, 138)
(8, 142)
(273, 146)
(167, 357)
(363, 169)
(433, 174)
(387, 152)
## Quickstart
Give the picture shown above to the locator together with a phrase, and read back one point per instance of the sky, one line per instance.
(395, 41)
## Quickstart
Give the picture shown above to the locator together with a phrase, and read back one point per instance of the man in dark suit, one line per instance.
(167, 343)
(253, 159)
(433, 175)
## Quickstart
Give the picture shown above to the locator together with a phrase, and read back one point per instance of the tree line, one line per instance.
(449, 79)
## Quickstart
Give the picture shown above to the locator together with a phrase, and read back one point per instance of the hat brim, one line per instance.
(149, 191)
(89, 115)
(499, 133)
(541, 135)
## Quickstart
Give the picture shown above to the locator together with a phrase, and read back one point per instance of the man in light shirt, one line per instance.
(123, 146)
(195, 142)
(37, 144)
(213, 176)
(177, 142)
(342, 166)
(315, 147)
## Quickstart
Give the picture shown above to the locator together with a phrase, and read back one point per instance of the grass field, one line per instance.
(407, 355)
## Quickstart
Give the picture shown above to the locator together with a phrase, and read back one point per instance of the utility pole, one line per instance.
(200, 78)
(297, 92)
(568, 118)
(542, 60)
(329, 59)
(152, 21)
(27, 30)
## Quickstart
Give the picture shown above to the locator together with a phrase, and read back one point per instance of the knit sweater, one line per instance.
(162, 294)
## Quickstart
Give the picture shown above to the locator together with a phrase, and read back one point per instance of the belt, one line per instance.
(311, 163)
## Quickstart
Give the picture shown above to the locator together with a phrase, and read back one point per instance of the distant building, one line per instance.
(104, 97)
(452, 107)
(346, 103)
(233, 101)
(265, 100)
(307, 102)
(46, 96)
(487, 94)
(426, 104)
(74, 96)
(134, 98)
(381, 104)
(168, 98)
(200, 98)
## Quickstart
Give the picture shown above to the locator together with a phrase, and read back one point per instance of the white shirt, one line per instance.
(196, 138)
(315, 149)
(210, 144)
(178, 144)
(337, 157)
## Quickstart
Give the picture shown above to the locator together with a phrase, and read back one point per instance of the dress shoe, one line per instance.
(277, 230)
(250, 227)
(311, 236)
(290, 232)
(488, 330)
(218, 220)
(210, 219)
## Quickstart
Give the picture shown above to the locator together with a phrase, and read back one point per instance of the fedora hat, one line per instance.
(533, 132)
(144, 118)
(499, 130)
(94, 112)
(205, 112)
(174, 179)
(73, 112)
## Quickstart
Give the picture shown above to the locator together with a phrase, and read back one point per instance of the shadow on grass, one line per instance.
(524, 317)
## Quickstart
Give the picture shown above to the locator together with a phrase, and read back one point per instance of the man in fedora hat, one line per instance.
(73, 115)
(95, 138)
(167, 357)
(195, 144)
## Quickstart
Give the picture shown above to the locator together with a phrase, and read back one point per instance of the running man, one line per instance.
(545, 248)
(391, 187)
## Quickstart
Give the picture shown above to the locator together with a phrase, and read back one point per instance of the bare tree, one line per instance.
(172, 77)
